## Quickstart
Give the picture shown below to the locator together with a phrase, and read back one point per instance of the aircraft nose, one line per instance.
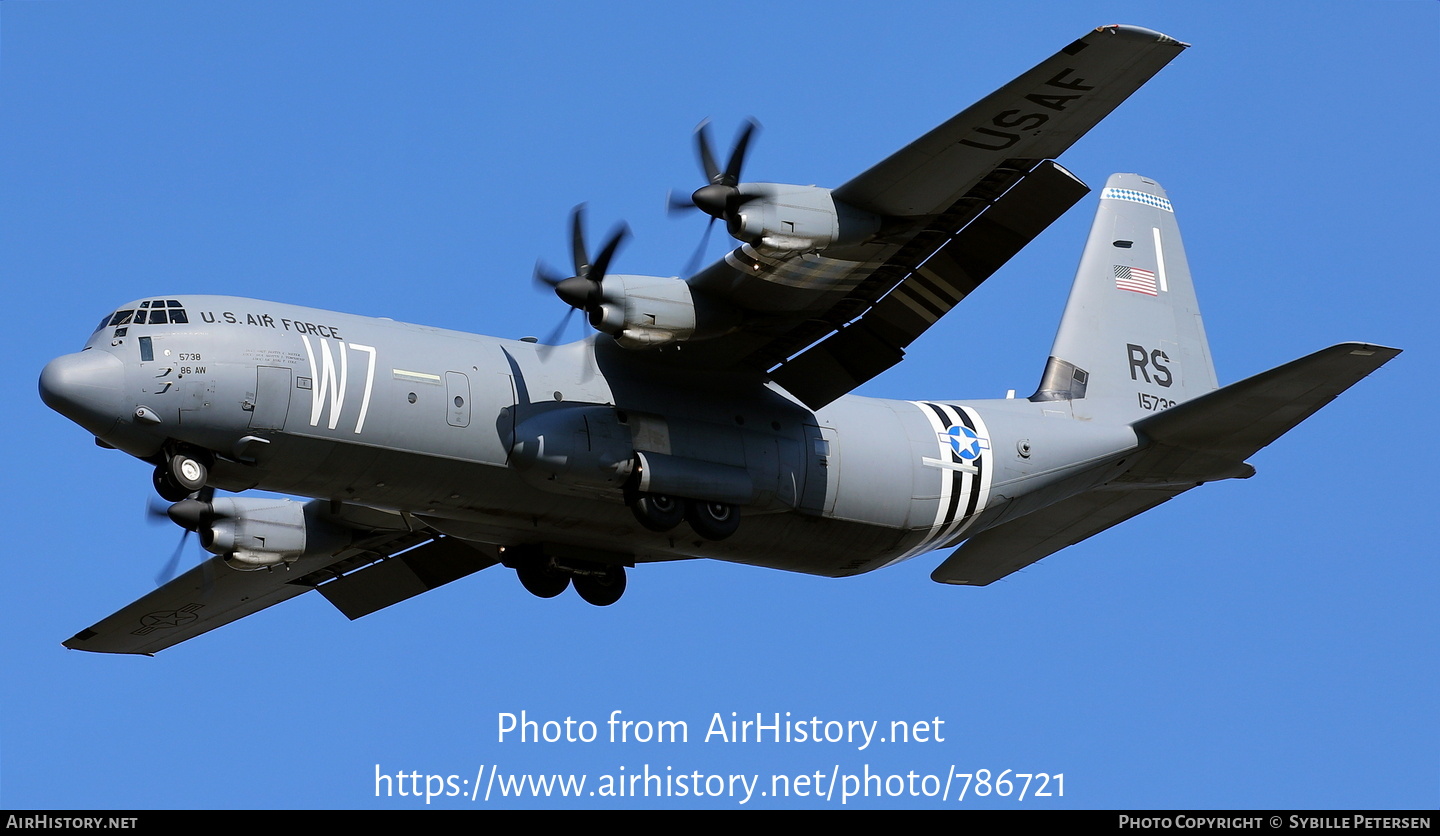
(87, 388)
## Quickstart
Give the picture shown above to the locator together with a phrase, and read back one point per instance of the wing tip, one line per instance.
(77, 642)
(1365, 349)
(68, 645)
(956, 581)
(1140, 33)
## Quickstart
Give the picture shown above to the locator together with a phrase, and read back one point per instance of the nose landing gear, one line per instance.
(181, 474)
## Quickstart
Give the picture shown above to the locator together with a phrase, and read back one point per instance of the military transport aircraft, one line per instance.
(708, 416)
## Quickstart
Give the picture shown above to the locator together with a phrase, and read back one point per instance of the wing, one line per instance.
(373, 573)
(949, 209)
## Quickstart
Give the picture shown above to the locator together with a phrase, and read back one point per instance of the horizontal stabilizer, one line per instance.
(997, 552)
(1230, 424)
(1200, 440)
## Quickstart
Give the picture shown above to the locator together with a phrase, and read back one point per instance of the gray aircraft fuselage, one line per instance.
(425, 421)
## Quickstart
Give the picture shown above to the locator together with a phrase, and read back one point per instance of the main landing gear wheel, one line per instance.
(657, 512)
(541, 579)
(603, 589)
(712, 520)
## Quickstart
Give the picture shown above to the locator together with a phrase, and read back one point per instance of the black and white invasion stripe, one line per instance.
(963, 492)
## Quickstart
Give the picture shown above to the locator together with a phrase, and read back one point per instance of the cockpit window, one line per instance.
(149, 312)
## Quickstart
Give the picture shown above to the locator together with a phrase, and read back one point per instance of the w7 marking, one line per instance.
(328, 385)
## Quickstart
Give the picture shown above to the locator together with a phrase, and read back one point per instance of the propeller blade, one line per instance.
(556, 336)
(578, 253)
(678, 206)
(707, 159)
(737, 156)
(694, 263)
(155, 510)
(602, 261)
(546, 277)
(171, 568)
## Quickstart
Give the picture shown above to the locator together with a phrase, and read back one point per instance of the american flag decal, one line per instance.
(1135, 279)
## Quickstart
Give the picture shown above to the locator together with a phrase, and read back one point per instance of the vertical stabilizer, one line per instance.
(1131, 341)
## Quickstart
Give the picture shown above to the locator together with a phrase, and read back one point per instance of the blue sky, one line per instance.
(1266, 643)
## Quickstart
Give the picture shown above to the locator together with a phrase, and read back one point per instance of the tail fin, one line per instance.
(1131, 340)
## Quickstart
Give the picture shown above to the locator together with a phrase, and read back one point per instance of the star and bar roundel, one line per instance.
(962, 464)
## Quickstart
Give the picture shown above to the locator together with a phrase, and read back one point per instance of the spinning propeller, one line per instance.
(189, 514)
(720, 198)
(581, 291)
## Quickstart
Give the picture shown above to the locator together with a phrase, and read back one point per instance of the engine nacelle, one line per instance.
(578, 450)
(645, 311)
(797, 218)
(254, 533)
